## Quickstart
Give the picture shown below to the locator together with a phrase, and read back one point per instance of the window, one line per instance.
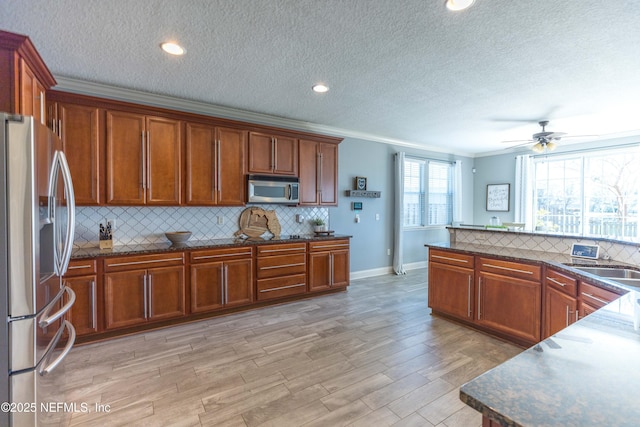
(591, 194)
(428, 193)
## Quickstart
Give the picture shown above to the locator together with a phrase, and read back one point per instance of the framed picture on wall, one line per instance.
(498, 197)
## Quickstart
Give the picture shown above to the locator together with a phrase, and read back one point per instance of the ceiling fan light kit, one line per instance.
(457, 5)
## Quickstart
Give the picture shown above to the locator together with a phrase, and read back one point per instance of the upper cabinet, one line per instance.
(272, 154)
(215, 165)
(143, 159)
(24, 77)
(81, 129)
(318, 173)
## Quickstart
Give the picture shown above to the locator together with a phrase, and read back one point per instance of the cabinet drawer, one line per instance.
(143, 261)
(282, 265)
(211, 255)
(283, 249)
(281, 287)
(452, 258)
(328, 245)
(563, 283)
(81, 267)
(595, 296)
(511, 269)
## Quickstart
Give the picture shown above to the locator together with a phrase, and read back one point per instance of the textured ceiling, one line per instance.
(404, 70)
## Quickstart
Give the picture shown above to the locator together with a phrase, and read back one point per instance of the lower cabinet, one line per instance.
(560, 302)
(137, 292)
(593, 298)
(221, 278)
(328, 265)
(82, 278)
(281, 270)
(451, 284)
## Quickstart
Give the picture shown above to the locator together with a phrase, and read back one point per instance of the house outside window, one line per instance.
(428, 193)
(591, 194)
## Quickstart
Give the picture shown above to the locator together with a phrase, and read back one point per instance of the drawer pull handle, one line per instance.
(282, 266)
(557, 282)
(220, 256)
(450, 259)
(281, 250)
(595, 298)
(282, 287)
(77, 267)
(330, 246)
(120, 264)
(515, 270)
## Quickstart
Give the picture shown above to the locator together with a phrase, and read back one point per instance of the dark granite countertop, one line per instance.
(150, 248)
(584, 375)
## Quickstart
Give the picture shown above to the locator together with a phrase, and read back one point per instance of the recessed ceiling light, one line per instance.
(457, 5)
(320, 88)
(173, 48)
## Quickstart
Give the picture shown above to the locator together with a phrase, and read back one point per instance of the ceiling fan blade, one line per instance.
(556, 135)
(524, 141)
(580, 136)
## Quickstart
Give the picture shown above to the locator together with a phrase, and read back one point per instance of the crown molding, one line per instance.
(101, 90)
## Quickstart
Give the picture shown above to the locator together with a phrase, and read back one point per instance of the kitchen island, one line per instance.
(581, 375)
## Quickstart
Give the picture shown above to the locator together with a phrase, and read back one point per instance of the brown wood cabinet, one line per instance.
(281, 270)
(144, 159)
(24, 77)
(82, 278)
(215, 167)
(81, 129)
(507, 303)
(318, 164)
(221, 278)
(451, 285)
(328, 265)
(560, 302)
(593, 298)
(272, 154)
(145, 288)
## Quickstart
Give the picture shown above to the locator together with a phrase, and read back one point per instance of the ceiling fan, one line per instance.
(545, 141)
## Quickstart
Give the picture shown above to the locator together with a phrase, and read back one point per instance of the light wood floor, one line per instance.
(371, 356)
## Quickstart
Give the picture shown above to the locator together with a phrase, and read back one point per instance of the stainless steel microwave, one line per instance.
(273, 189)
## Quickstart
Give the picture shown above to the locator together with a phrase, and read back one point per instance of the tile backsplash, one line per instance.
(618, 251)
(141, 224)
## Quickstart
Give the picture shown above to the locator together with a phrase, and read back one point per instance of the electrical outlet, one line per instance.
(220, 220)
(357, 219)
(113, 223)
(377, 217)
(388, 251)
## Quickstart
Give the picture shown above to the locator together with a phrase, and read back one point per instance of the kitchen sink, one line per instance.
(617, 273)
(623, 276)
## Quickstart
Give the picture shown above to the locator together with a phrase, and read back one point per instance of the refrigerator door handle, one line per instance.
(46, 319)
(60, 163)
(42, 370)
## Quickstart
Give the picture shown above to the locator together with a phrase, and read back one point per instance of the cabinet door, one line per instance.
(309, 174)
(319, 271)
(232, 148)
(166, 293)
(451, 290)
(164, 161)
(206, 287)
(286, 156)
(509, 305)
(125, 148)
(82, 144)
(328, 174)
(340, 266)
(260, 153)
(560, 311)
(238, 282)
(125, 299)
(83, 315)
(32, 94)
(201, 165)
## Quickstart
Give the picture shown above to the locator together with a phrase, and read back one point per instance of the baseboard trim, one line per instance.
(363, 274)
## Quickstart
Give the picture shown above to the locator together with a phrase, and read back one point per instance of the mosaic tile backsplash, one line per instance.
(140, 224)
(626, 253)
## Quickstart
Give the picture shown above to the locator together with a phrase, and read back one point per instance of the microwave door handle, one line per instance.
(288, 192)
(71, 212)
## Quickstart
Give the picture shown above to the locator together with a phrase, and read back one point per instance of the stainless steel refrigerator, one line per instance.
(37, 220)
